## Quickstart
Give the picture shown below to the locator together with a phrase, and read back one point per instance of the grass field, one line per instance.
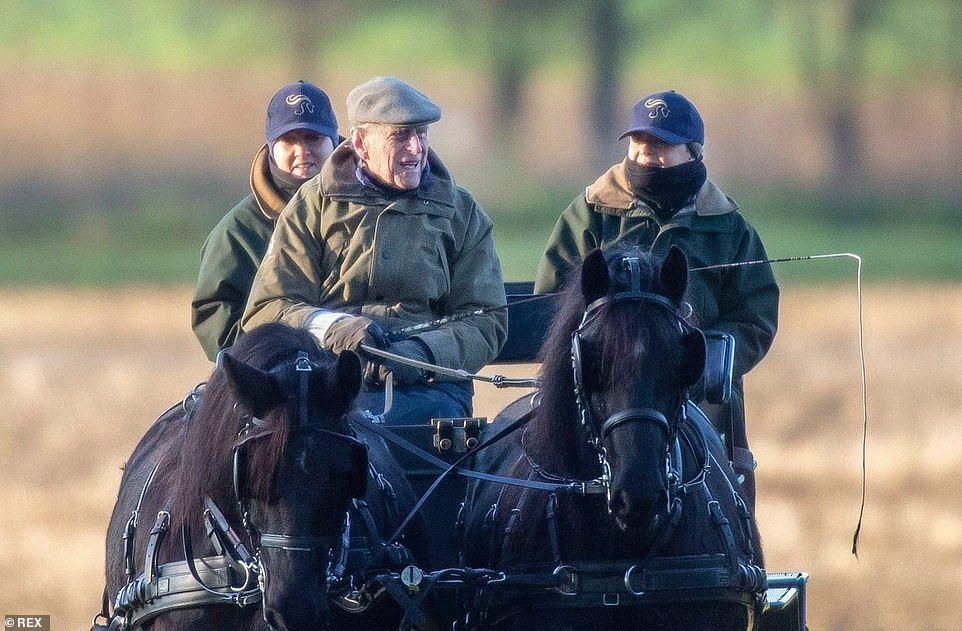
(82, 374)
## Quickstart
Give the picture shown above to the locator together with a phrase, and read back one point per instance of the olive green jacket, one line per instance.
(230, 258)
(740, 301)
(344, 247)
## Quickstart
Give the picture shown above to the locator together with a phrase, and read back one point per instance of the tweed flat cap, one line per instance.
(390, 101)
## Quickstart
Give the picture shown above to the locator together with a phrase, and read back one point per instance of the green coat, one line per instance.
(741, 301)
(230, 258)
(342, 246)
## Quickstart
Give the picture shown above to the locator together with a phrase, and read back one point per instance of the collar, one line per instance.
(611, 190)
(270, 198)
(339, 179)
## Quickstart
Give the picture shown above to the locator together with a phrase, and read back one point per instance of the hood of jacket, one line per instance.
(612, 190)
(270, 199)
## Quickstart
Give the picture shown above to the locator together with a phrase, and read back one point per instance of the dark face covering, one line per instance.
(668, 189)
(285, 181)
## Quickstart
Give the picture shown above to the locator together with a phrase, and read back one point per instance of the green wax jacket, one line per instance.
(740, 301)
(230, 258)
(341, 246)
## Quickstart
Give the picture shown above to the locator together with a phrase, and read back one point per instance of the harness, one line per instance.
(234, 575)
(652, 579)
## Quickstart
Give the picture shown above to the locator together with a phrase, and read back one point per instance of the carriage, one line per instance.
(372, 577)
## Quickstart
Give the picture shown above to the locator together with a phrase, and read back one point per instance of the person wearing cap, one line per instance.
(381, 239)
(660, 196)
(301, 132)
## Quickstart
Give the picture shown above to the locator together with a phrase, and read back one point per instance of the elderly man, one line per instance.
(381, 239)
(660, 196)
(301, 132)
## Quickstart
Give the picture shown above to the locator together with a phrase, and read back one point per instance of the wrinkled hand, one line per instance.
(347, 334)
(377, 370)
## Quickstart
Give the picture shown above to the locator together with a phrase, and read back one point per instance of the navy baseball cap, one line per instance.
(669, 116)
(300, 105)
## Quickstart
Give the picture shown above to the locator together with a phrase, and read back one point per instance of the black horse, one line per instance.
(613, 408)
(271, 439)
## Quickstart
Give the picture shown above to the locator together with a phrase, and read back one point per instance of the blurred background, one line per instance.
(128, 129)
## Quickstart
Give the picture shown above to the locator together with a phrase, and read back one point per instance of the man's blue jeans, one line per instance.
(418, 404)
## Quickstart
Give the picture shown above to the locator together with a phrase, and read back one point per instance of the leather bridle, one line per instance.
(254, 429)
(595, 430)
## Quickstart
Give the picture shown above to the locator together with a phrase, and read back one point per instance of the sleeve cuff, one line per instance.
(321, 321)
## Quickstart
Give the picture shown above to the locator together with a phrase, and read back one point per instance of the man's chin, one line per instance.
(304, 174)
(408, 182)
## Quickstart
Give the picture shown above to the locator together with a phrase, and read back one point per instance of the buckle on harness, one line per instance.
(569, 580)
(629, 574)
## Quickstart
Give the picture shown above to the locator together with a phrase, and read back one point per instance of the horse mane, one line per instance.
(203, 465)
(623, 330)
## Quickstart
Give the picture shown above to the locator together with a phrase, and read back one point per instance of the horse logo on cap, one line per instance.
(300, 103)
(657, 108)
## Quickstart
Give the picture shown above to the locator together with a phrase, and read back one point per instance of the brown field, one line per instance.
(83, 374)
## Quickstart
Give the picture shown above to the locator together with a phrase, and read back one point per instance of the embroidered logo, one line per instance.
(300, 103)
(657, 108)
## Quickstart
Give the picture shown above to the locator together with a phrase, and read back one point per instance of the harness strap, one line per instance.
(303, 368)
(225, 534)
(568, 485)
(743, 459)
(156, 535)
(551, 514)
(635, 415)
(175, 588)
(130, 529)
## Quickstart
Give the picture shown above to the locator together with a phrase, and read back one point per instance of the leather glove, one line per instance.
(348, 333)
(403, 374)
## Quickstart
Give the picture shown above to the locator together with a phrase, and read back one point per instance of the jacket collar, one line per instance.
(611, 190)
(270, 199)
(338, 179)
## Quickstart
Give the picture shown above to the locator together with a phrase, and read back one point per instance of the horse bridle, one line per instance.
(253, 429)
(596, 432)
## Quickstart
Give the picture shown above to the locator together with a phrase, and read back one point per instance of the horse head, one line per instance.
(634, 359)
(295, 463)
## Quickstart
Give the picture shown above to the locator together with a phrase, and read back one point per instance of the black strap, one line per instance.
(635, 415)
(568, 485)
(153, 541)
(505, 431)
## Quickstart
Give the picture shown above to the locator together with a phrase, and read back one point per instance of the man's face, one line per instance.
(301, 152)
(650, 151)
(394, 155)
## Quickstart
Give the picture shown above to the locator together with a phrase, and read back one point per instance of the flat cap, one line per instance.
(389, 101)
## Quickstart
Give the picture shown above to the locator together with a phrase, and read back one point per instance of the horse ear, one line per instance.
(348, 374)
(595, 280)
(257, 390)
(673, 277)
(693, 367)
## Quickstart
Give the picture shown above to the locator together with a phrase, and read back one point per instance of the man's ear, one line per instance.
(357, 141)
(595, 280)
(255, 389)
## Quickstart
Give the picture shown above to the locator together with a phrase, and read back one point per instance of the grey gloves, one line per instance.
(403, 374)
(349, 332)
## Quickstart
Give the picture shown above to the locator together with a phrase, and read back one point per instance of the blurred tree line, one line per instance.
(833, 57)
